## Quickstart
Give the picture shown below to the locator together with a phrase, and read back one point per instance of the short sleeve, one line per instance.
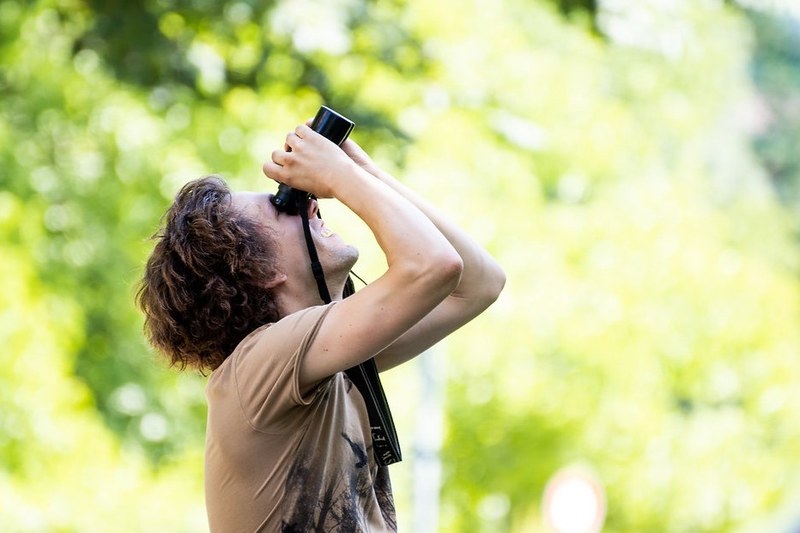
(266, 369)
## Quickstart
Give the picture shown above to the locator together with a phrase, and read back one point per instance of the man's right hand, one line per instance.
(314, 163)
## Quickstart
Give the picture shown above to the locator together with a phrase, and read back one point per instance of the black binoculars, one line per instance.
(333, 127)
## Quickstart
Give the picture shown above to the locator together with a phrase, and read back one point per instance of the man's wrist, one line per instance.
(356, 178)
(381, 174)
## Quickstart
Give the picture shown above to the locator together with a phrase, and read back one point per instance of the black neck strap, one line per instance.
(385, 444)
(316, 266)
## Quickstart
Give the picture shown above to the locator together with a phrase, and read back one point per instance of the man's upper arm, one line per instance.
(363, 325)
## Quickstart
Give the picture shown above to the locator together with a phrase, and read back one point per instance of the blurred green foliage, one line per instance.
(776, 71)
(649, 330)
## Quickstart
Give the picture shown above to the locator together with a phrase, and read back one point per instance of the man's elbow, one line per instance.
(449, 268)
(436, 273)
(484, 288)
(494, 280)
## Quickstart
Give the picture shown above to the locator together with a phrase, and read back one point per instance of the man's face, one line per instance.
(335, 255)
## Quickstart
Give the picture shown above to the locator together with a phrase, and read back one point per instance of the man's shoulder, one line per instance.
(278, 340)
(298, 321)
(301, 319)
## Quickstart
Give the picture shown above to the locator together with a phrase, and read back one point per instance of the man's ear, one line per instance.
(276, 280)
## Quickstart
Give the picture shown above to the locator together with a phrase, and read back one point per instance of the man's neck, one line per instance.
(293, 299)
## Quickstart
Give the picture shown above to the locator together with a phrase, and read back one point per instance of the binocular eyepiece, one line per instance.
(333, 127)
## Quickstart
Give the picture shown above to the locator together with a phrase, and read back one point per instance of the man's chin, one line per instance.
(351, 254)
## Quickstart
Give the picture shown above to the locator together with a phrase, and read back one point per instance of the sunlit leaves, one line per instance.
(649, 325)
(650, 303)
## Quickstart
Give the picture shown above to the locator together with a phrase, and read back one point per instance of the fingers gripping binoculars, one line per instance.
(333, 127)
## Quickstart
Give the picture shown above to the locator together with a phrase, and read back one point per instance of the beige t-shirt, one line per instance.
(278, 461)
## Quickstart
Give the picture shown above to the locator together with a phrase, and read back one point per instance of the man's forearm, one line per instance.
(405, 233)
(481, 272)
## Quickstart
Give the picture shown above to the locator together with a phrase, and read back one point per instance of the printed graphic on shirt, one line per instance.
(340, 505)
(320, 503)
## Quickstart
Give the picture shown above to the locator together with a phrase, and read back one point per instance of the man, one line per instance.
(228, 289)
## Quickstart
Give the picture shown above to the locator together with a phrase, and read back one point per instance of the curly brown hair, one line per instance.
(203, 288)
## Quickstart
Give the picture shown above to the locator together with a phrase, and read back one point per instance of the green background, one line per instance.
(634, 166)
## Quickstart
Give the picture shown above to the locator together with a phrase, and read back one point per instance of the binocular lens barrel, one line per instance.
(334, 127)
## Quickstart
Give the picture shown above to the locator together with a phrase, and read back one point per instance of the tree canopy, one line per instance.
(632, 165)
